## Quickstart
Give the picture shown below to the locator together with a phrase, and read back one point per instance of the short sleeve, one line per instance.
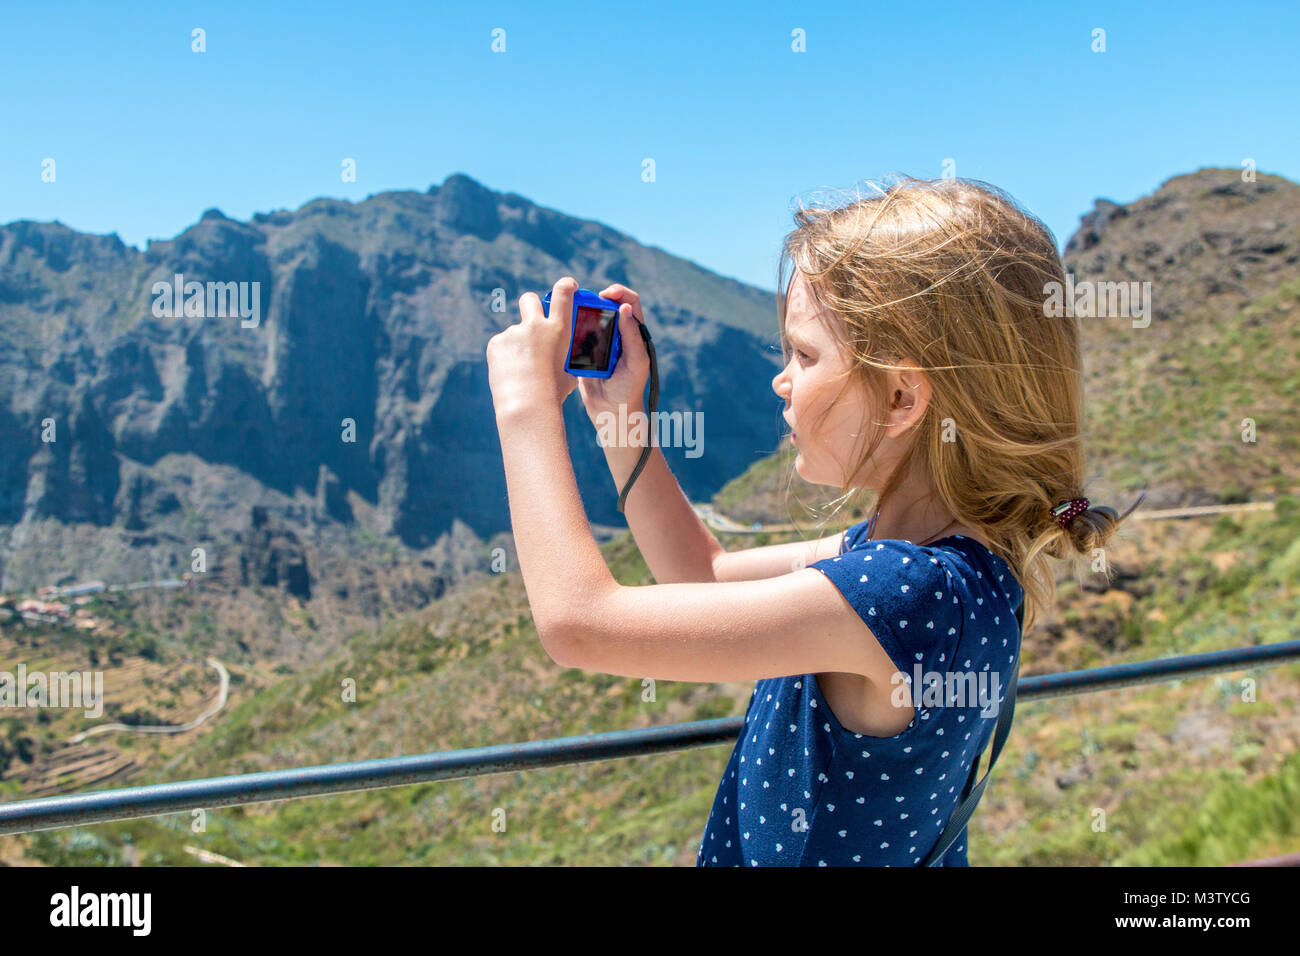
(905, 595)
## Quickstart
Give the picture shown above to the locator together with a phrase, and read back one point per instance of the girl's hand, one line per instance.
(526, 361)
(627, 385)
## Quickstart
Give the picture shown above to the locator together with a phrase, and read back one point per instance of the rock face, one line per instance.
(350, 388)
(273, 557)
(1205, 241)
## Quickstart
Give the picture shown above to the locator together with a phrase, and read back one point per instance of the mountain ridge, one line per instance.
(373, 315)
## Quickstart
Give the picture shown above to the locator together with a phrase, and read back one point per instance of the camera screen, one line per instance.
(593, 338)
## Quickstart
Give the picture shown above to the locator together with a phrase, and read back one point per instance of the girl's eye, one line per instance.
(803, 356)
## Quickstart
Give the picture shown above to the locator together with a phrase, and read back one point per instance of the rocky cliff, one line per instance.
(334, 376)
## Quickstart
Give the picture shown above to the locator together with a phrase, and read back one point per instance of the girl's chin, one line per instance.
(803, 469)
(801, 466)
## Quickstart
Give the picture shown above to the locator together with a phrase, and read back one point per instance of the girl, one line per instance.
(921, 367)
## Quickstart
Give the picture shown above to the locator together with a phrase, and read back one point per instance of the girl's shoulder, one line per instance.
(966, 553)
(982, 560)
(946, 585)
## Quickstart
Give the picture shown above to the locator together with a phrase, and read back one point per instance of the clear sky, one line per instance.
(146, 133)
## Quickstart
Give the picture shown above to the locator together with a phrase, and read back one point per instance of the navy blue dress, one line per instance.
(800, 790)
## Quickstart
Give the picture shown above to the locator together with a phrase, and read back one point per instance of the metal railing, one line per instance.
(51, 813)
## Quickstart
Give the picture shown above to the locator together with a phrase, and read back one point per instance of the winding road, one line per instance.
(222, 694)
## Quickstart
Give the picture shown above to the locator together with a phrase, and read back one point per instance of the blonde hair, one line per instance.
(952, 274)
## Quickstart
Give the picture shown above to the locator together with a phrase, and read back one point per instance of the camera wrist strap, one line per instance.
(654, 401)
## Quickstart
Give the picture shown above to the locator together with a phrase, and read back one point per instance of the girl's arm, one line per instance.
(678, 546)
(794, 623)
(734, 631)
(797, 623)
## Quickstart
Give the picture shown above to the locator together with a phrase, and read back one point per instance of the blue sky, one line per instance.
(147, 134)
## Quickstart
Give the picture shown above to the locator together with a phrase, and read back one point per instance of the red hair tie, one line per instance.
(1064, 513)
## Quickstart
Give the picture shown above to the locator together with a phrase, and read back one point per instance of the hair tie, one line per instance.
(1064, 513)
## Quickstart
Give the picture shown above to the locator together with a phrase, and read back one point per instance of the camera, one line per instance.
(595, 344)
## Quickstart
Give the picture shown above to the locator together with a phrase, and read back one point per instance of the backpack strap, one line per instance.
(971, 793)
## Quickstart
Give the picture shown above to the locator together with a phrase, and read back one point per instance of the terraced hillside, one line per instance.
(469, 671)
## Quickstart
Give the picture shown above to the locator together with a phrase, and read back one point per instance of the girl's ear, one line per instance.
(909, 394)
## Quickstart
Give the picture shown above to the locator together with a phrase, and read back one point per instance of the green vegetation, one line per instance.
(1204, 414)
(1233, 821)
(470, 672)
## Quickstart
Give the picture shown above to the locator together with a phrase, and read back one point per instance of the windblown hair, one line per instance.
(952, 275)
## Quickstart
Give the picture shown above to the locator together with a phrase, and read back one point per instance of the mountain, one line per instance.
(1206, 241)
(348, 400)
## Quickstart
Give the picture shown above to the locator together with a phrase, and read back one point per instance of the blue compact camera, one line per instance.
(595, 345)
